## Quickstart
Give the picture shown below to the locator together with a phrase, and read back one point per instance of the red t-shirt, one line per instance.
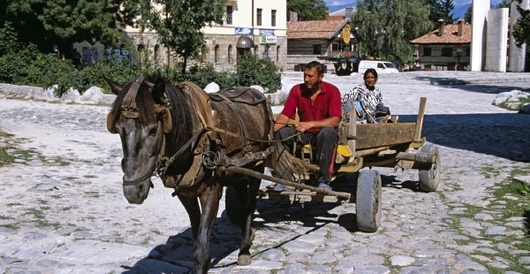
(327, 104)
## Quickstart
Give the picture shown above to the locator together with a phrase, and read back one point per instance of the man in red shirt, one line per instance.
(319, 107)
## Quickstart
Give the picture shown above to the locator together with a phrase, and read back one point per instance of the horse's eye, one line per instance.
(152, 132)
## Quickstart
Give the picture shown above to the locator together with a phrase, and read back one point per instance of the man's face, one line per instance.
(312, 79)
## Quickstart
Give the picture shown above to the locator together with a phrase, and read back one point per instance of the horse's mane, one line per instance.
(144, 102)
(182, 128)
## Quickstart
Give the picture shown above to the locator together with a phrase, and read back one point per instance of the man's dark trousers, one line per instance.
(325, 142)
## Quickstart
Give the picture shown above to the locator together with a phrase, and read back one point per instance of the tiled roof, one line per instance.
(450, 36)
(317, 29)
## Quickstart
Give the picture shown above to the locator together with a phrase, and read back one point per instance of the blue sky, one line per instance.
(457, 3)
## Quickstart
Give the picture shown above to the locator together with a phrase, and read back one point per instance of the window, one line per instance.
(343, 47)
(258, 18)
(427, 52)
(273, 18)
(468, 52)
(230, 54)
(447, 52)
(155, 52)
(216, 54)
(278, 54)
(229, 11)
(316, 49)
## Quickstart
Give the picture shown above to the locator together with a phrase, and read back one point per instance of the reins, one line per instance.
(163, 165)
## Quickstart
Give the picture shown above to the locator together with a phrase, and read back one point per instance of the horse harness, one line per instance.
(209, 160)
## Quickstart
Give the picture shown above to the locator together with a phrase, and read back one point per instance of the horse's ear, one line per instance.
(158, 88)
(114, 87)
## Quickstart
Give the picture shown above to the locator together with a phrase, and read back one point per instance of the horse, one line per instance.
(190, 139)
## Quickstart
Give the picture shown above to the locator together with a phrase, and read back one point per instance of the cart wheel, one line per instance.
(430, 175)
(368, 200)
(232, 206)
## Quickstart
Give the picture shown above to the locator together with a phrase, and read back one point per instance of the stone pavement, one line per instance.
(62, 209)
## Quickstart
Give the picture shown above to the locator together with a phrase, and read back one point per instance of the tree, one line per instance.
(179, 23)
(45, 22)
(469, 14)
(441, 9)
(521, 29)
(387, 26)
(504, 4)
(308, 9)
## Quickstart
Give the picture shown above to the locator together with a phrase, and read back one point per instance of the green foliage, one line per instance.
(388, 26)
(29, 67)
(252, 70)
(178, 23)
(521, 29)
(44, 22)
(504, 4)
(469, 13)
(308, 9)
(441, 9)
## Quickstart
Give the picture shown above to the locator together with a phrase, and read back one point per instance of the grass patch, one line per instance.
(522, 101)
(488, 171)
(92, 194)
(5, 157)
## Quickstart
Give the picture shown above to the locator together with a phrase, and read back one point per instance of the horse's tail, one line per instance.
(284, 165)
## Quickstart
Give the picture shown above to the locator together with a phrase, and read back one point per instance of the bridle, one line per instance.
(129, 110)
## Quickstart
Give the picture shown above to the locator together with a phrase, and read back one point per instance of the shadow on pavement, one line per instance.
(502, 135)
(485, 85)
(176, 254)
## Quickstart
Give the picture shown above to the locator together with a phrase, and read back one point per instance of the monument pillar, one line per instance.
(478, 38)
(496, 44)
(517, 56)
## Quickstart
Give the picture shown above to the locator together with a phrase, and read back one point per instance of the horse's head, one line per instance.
(140, 115)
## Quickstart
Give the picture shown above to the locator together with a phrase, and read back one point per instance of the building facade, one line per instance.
(264, 21)
(331, 41)
(446, 48)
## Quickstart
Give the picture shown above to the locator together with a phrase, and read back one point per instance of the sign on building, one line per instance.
(267, 36)
(243, 31)
(268, 39)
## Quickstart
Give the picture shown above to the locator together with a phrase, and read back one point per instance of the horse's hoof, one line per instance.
(244, 260)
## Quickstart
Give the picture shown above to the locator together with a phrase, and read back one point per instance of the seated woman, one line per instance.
(367, 100)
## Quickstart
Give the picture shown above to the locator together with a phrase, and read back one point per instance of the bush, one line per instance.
(29, 67)
(252, 70)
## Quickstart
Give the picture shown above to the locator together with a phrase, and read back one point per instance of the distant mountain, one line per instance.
(339, 7)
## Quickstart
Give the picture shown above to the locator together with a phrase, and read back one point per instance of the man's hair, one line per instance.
(315, 65)
(372, 71)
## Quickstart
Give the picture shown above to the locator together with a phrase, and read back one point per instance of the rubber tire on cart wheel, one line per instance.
(232, 206)
(368, 200)
(430, 175)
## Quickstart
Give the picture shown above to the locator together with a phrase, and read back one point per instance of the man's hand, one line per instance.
(303, 126)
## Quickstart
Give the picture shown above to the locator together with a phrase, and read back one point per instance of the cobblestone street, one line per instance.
(63, 211)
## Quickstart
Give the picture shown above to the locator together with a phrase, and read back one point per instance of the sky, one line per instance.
(457, 3)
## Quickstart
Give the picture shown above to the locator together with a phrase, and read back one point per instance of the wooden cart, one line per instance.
(397, 145)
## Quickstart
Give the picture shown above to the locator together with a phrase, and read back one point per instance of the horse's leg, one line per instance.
(247, 193)
(210, 205)
(191, 204)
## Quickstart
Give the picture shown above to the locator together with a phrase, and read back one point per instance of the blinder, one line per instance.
(129, 109)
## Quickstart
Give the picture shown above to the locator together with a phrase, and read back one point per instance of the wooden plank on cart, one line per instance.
(377, 135)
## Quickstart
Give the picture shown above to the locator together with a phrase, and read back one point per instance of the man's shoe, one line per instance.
(324, 186)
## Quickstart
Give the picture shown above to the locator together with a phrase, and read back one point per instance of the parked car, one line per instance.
(379, 66)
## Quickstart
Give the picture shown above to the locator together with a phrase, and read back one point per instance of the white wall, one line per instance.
(478, 38)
